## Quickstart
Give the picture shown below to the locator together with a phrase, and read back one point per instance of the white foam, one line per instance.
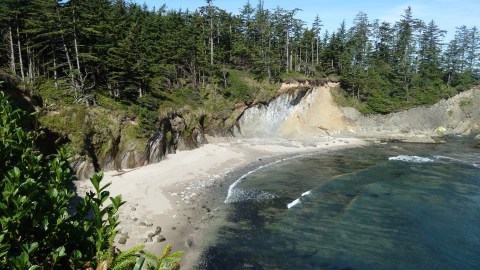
(292, 204)
(411, 159)
(231, 189)
(245, 195)
(297, 201)
(306, 193)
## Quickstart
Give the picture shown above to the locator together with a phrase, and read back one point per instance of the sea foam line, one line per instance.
(297, 201)
(243, 177)
(414, 159)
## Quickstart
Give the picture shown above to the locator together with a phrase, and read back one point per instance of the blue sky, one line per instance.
(448, 14)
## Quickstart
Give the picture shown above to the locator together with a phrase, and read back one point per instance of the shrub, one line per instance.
(40, 227)
(43, 225)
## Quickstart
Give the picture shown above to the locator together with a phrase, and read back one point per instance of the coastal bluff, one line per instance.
(306, 112)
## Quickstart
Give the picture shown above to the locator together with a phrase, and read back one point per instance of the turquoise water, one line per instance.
(394, 206)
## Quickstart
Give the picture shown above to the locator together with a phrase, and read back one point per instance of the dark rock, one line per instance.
(174, 228)
(133, 208)
(122, 240)
(141, 223)
(151, 235)
(149, 239)
(161, 238)
(158, 230)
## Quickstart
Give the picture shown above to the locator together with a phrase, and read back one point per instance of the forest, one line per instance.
(126, 63)
(78, 50)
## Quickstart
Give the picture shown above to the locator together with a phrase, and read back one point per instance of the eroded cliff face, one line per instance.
(123, 151)
(301, 112)
(315, 114)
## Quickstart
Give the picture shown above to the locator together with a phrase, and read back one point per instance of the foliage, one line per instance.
(41, 226)
(166, 261)
(70, 52)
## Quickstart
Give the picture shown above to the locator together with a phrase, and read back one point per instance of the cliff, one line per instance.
(306, 112)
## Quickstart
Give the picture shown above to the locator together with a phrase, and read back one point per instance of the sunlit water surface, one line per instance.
(393, 206)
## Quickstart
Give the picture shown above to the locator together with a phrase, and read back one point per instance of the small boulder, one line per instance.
(158, 230)
(122, 240)
(149, 239)
(161, 238)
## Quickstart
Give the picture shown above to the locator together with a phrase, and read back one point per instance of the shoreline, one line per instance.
(174, 201)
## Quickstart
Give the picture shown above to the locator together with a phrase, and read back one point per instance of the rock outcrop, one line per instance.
(306, 111)
(121, 151)
(457, 115)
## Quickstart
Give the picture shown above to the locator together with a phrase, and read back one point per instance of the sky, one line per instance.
(447, 14)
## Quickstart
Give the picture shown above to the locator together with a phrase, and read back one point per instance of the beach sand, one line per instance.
(174, 195)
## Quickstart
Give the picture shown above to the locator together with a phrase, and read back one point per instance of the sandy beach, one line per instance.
(169, 202)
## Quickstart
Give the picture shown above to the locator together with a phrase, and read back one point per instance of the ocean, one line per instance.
(385, 206)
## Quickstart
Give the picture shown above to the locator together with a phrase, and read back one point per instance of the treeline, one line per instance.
(130, 51)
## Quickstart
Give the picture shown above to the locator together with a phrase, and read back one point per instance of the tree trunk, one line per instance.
(31, 66)
(291, 60)
(12, 51)
(20, 58)
(211, 34)
(287, 51)
(77, 57)
(55, 75)
(70, 66)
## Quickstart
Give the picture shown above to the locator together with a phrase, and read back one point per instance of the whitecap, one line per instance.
(412, 159)
(306, 193)
(292, 204)
(297, 201)
(231, 189)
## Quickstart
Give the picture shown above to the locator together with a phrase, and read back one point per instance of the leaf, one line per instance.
(53, 193)
(95, 182)
(60, 251)
(24, 259)
(33, 247)
(77, 255)
(4, 249)
(45, 223)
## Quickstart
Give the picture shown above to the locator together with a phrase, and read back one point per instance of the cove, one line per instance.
(389, 206)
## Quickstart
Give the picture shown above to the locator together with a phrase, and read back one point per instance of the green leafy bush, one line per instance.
(40, 226)
(43, 225)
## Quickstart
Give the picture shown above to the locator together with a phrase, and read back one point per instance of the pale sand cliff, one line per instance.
(173, 194)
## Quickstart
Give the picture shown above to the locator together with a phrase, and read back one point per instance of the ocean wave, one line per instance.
(467, 160)
(411, 159)
(292, 204)
(231, 188)
(249, 195)
(297, 201)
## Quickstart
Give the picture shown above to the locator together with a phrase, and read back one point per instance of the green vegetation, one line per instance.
(43, 225)
(465, 102)
(142, 61)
